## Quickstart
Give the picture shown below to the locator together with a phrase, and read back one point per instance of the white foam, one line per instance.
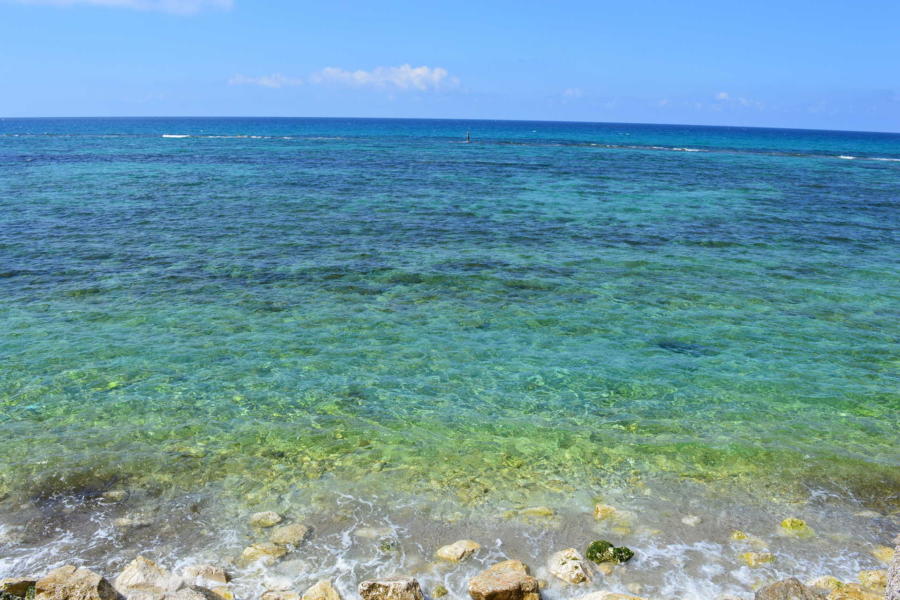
(175, 135)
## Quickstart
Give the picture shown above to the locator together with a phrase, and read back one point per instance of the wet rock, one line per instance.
(397, 588)
(275, 583)
(602, 551)
(796, 528)
(206, 575)
(757, 559)
(265, 519)
(273, 595)
(439, 591)
(609, 596)
(223, 591)
(893, 576)
(373, 533)
(16, 586)
(569, 566)
(508, 580)
(134, 521)
(113, 496)
(458, 550)
(883, 553)
(144, 579)
(73, 583)
(874, 579)
(266, 552)
(293, 534)
(826, 582)
(537, 511)
(691, 520)
(603, 511)
(192, 593)
(854, 591)
(788, 589)
(322, 590)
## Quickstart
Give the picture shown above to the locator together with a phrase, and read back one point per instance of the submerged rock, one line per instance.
(757, 559)
(274, 595)
(265, 519)
(537, 511)
(397, 588)
(826, 582)
(373, 533)
(144, 579)
(796, 528)
(322, 590)
(854, 591)
(204, 574)
(569, 566)
(874, 579)
(73, 583)
(508, 580)
(439, 591)
(604, 511)
(788, 589)
(266, 552)
(458, 550)
(16, 586)
(884, 554)
(290, 534)
(691, 520)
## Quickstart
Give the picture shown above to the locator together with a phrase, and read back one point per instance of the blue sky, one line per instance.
(791, 63)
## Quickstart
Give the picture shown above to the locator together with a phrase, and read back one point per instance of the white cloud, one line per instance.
(404, 77)
(723, 96)
(181, 7)
(573, 93)
(275, 80)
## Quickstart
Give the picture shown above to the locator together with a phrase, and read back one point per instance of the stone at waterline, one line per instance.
(143, 578)
(602, 551)
(73, 583)
(508, 580)
(322, 590)
(203, 574)
(16, 586)
(439, 591)
(893, 576)
(757, 559)
(609, 596)
(193, 593)
(394, 588)
(266, 552)
(273, 595)
(267, 518)
(223, 592)
(293, 534)
(458, 550)
(569, 566)
(788, 589)
(875, 579)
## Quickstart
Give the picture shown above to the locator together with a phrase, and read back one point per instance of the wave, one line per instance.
(175, 135)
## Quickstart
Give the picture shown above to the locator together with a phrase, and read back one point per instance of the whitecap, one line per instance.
(175, 135)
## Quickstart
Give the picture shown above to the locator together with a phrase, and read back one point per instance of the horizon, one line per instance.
(809, 65)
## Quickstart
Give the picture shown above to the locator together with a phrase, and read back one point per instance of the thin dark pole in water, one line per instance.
(468, 139)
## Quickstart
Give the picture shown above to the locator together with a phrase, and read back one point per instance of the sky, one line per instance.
(819, 64)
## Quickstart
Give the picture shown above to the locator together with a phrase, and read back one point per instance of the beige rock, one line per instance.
(691, 520)
(265, 519)
(854, 591)
(135, 521)
(458, 550)
(569, 566)
(266, 552)
(603, 511)
(273, 595)
(757, 559)
(192, 593)
(277, 583)
(875, 579)
(439, 591)
(16, 586)
(293, 534)
(396, 588)
(883, 553)
(788, 589)
(893, 576)
(143, 579)
(73, 583)
(322, 590)
(606, 568)
(204, 574)
(223, 591)
(537, 511)
(826, 582)
(508, 580)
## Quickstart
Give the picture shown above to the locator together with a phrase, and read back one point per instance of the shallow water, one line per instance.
(294, 313)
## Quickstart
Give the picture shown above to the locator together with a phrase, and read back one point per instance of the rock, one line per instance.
(569, 566)
(289, 534)
(16, 586)
(323, 590)
(603, 511)
(397, 588)
(788, 589)
(265, 519)
(691, 520)
(271, 595)
(854, 591)
(826, 582)
(875, 579)
(757, 559)
(893, 576)
(602, 551)
(135, 521)
(458, 550)
(277, 583)
(145, 579)
(796, 528)
(439, 591)
(508, 580)
(609, 596)
(266, 552)
(373, 533)
(606, 568)
(115, 496)
(223, 591)
(883, 553)
(73, 583)
(192, 593)
(207, 575)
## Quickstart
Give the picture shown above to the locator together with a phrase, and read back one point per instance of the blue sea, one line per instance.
(375, 327)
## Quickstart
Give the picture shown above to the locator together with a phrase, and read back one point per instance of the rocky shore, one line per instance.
(144, 579)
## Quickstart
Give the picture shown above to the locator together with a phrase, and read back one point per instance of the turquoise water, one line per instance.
(273, 305)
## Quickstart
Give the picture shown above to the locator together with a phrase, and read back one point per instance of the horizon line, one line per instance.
(4, 118)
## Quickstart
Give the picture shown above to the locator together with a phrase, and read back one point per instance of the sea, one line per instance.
(401, 339)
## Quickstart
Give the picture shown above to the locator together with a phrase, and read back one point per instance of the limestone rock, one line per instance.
(787, 589)
(266, 552)
(691, 520)
(603, 511)
(397, 588)
(796, 528)
(758, 559)
(323, 590)
(569, 566)
(265, 519)
(884, 554)
(826, 582)
(293, 534)
(144, 579)
(73, 583)
(223, 591)
(874, 580)
(854, 591)
(439, 591)
(508, 580)
(893, 576)
(16, 586)
(458, 550)
(209, 575)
